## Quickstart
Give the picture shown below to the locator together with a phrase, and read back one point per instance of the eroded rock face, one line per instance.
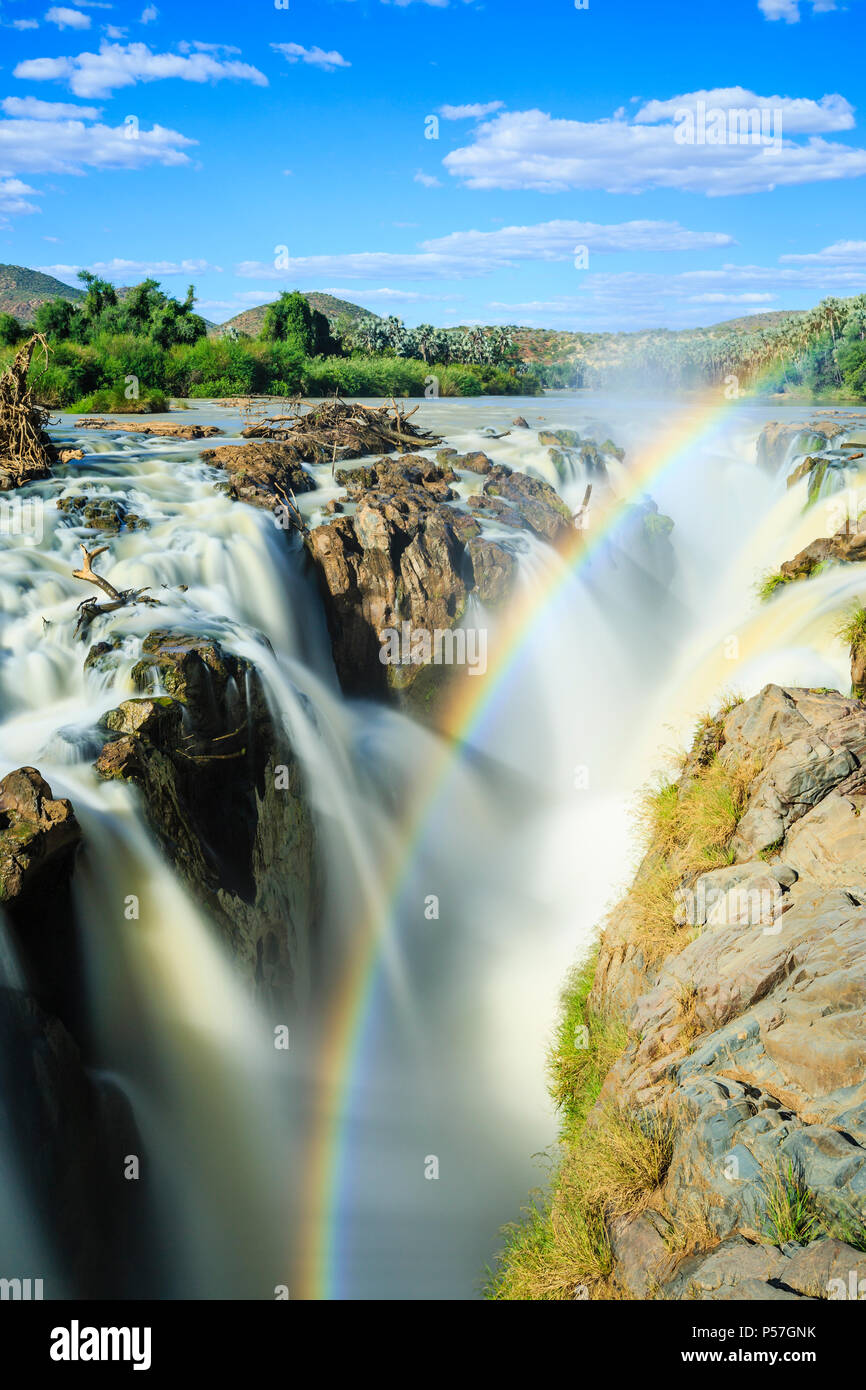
(407, 556)
(770, 1076)
(224, 795)
(399, 558)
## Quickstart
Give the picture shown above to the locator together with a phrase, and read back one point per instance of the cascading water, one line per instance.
(523, 839)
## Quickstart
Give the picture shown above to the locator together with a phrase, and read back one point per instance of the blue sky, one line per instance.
(252, 148)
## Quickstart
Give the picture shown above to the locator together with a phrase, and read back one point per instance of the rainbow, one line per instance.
(317, 1262)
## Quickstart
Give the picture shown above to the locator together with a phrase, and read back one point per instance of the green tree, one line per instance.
(290, 320)
(55, 319)
(10, 330)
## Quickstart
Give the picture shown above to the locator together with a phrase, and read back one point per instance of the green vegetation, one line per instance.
(852, 629)
(687, 827)
(767, 586)
(129, 351)
(791, 1210)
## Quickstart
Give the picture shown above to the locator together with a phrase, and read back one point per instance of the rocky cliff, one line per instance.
(723, 1153)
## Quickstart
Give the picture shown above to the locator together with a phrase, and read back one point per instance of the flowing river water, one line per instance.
(268, 1170)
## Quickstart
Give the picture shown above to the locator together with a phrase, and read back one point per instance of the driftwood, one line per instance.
(117, 598)
(580, 516)
(26, 452)
(338, 425)
(289, 507)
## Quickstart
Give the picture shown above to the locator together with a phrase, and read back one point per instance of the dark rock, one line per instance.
(534, 503)
(39, 839)
(476, 463)
(101, 514)
(69, 1135)
(259, 472)
(224, 795)
(493, 569)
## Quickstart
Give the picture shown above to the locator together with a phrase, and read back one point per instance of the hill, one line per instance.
(23, 290)
(251, 320)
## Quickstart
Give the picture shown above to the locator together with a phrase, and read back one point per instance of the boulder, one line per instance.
(259, 472)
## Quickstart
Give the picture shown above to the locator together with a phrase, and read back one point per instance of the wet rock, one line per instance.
(526, 503)
(778, 439)
(521, 422)
(259, 472)
(398, 559)
(39, 840)
(38, 837)
(102, 657)
(391, 476)
(566, 439)
(476, 463)
(101, 514)
(494, 569)
(224, 795)
(70, 1133)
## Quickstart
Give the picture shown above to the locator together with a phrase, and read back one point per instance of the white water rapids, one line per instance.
(523, 854)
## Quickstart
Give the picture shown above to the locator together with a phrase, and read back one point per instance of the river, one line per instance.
(379, 1156)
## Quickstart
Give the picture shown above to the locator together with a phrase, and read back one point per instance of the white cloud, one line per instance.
(719, 297)
(25, 24)
(789, 10)
(67, 19)
(799, 115)
(34, 109)
(472, 253)
(116, 65)
(533, 150)
(474, 111)
(215, 48)
(124, 271)
(841, 253)
(317, 57)
(387, 295)
(13, 198)
(69, 147)
(149, 14)
(113, 32)
(428, 180)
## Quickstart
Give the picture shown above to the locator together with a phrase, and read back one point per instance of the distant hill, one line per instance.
(23, 290)
(251, 320)
(546, 345)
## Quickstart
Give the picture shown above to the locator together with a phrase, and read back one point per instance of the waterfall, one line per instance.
(522, 833)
